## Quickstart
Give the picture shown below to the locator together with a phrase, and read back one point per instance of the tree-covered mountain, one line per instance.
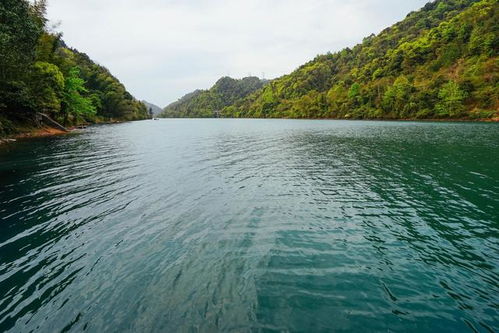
(439, 62)
(39, 73)
(207, 103)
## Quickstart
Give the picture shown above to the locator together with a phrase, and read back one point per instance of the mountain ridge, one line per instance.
(208, 103)
(440, 62)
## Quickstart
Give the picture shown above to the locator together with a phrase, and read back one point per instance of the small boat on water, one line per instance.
(156, 118)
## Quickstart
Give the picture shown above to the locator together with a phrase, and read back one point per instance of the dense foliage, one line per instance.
(208, 103)
(38, 73)
(440, 62)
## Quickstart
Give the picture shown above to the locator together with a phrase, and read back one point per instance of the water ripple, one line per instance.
(252, 225)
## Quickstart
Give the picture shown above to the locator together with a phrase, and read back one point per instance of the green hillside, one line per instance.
(39, 73)
(206, 103)
(439, 62)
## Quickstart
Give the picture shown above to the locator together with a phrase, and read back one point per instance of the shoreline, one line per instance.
(46, 131)
(40, 132)
(52, 131)
(34, 133)
(458, 120)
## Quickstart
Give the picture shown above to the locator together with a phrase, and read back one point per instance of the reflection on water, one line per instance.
(252, 225)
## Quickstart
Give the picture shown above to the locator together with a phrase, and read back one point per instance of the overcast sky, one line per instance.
(163, 49)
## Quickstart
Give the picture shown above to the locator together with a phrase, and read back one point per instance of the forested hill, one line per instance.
(39, 73)
(439, 62)
(152, 109)
(206, 103)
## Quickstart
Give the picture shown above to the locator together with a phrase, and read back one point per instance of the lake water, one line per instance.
(252, 225)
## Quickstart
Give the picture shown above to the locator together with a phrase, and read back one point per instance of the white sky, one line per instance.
(163, 49)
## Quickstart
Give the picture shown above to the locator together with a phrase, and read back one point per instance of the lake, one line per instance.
(252, 225)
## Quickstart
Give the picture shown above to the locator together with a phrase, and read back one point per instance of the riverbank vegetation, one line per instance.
(39, 73)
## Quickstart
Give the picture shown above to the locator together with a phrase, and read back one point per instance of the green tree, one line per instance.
(354, 95)
(74, 103)
(451, 99)
(47, 87)
(20, 28)
(396, 98)
(337, 99)
(47, 47)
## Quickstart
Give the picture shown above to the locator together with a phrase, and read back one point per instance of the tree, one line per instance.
(451, 99)
(354, 95)
(47, 47)
(20, 30)
(396, 97)
(47, 87)
(74, 103)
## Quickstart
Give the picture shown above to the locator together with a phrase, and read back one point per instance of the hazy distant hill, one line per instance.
(154, 108)
(205, 103)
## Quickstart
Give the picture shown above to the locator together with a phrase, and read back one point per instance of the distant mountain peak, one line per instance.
(208, 103)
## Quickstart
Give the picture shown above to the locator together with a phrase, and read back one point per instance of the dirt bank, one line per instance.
(33, 132)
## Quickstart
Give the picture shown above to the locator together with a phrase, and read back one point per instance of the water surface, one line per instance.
(252, 225)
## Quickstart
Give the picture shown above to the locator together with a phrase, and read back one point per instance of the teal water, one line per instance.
(252, 225)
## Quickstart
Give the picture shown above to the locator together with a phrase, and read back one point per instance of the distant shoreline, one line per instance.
(52, 131)
(454, 120)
